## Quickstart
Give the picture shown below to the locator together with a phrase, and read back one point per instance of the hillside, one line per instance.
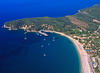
(86, 19)
(83, 26)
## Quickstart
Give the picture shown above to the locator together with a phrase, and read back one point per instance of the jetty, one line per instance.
(42, 33)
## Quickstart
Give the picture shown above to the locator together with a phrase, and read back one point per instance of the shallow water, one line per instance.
(38, 54)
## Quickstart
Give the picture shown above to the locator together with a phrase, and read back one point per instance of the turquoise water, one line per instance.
(37, 54)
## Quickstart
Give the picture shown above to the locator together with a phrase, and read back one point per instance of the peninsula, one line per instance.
(82, 28)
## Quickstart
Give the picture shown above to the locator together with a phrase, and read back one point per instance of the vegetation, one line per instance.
(83, 26)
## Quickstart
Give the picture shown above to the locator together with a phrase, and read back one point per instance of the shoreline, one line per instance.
(86, 66)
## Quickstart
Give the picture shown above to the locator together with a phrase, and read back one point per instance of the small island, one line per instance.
(82, 28)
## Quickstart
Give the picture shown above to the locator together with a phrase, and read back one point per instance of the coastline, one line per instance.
(84, 57)
(85, 60)
(92, 50)
(86, 65)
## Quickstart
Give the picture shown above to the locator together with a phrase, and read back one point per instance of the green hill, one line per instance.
(83, 26)
(86, 19)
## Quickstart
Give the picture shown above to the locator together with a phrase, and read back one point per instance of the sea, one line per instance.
(33, 52)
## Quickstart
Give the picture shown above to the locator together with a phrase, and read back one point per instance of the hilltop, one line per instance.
(85, 19)
(83, 26)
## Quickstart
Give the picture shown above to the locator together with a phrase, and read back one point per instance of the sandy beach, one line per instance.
(86, 65)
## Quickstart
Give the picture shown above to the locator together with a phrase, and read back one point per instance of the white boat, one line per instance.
(49, 44)
(44, 55)
(44, 39)
(53, 40)
(25, 38)
(40, 35)
(42, 46)
(37, 33)
(25, 32)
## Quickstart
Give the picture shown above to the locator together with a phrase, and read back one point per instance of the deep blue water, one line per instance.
(16, 9)
(18, 55)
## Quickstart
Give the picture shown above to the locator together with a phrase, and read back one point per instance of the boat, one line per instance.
(44, 55)
(44, 39)
(49, 44)
(25, 38)
(53, 40)
(37, 33)
(42, 46)
(25, 32)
